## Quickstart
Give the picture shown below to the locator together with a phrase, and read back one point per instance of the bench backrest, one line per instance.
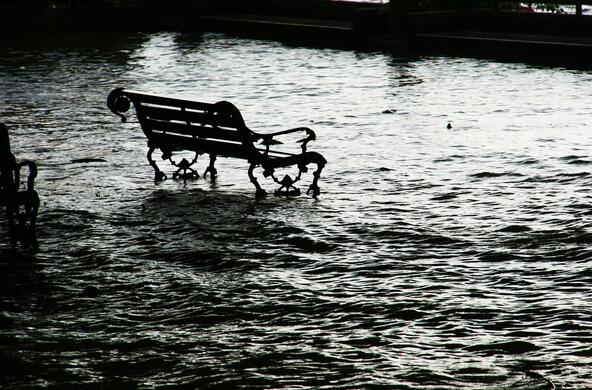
(10, 170)
(176, 123)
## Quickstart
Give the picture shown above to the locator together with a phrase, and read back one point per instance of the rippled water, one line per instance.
(434, 258)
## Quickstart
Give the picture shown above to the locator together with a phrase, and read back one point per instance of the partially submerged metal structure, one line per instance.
(172, 125)
(18, 197)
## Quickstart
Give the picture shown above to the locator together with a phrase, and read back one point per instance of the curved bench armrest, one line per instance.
(308, 131)
(267, 138)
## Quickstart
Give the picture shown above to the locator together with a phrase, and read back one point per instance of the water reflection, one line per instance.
(435, 257)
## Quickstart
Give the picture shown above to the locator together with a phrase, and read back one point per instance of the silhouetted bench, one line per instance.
(218, 130)
(21, 204)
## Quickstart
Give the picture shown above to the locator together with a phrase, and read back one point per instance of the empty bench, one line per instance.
(218, 129)
(21, 202)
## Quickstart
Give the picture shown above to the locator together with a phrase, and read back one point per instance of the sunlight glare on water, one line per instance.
(434, 258)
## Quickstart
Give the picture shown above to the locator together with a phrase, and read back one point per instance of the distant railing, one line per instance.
(562, 7)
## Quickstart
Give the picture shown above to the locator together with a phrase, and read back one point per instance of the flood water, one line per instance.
(434, 258)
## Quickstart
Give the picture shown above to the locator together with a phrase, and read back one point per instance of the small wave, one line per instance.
(579, 162)
(309, 245)
(569, 177)
(496, 257)
(580, 238)
(528, 161)
(587, 352)
(447, 196)
(131, 223)
(510, 347)
(482, 175)
(443, 159)
(87, 160)
(84, 213)
(408, 314)
(515, 229)
(571, 157)
(535, 179)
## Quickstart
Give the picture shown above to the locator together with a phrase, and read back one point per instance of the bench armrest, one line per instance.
(306, 129)
(267, 139)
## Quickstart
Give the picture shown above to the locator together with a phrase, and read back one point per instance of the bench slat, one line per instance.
(191, 130)
(218, 148)
(184, 115)
(167, 101)
(202, 133)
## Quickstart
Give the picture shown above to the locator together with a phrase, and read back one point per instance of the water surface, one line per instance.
(434, 258)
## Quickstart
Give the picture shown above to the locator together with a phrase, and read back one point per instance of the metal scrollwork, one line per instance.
(311, 136)
(287, 186)
(118, 103)
(158, 174)
(184, 170)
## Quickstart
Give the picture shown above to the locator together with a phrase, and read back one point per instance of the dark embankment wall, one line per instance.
(23, 19)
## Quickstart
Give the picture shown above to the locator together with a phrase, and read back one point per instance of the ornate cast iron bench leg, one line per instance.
(185, 166)
(24, 230)
(211, 169)
(314, 187)
(287, 183)
(287, 186)
(158, 174)
(12, 232)
(259, 192)
(32, 228)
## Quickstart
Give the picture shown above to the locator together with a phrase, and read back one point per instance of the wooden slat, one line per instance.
(180, 124)
(184, 115)
(191, 130)
(147, 98)
(218, 148)
(175, 113)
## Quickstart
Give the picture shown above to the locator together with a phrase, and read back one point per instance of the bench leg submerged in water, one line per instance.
(158, 174)
(184, 170)
(22, 220)
(185, 166)
(259, 192)
(211, 169)
(314, 187)
(286, 188)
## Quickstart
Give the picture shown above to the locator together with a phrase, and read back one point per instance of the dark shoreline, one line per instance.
(559, 39)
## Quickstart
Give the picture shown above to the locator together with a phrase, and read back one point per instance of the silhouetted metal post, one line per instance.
(579, 9)
(399, 16)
